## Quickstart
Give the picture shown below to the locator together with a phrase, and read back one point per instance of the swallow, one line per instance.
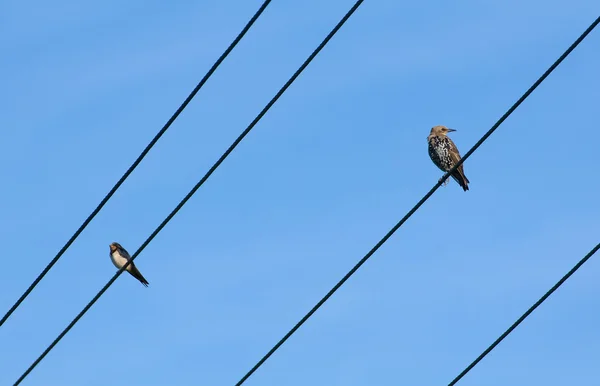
(119, 256)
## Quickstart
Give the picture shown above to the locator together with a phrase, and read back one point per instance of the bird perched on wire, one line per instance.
(119, 257)
(445, 155)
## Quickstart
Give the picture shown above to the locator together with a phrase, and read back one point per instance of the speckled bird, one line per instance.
(445, 155)
(119, 257)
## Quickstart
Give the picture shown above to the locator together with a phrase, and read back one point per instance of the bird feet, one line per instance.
(443, 182)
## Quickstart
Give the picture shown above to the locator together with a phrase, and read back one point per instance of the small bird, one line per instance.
(120, 256)
(445, 155)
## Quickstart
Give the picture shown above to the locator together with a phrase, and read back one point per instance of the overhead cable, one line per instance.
(191, 193)
(135, 163)
(417, 206)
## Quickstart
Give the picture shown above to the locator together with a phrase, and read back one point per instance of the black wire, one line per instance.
(194, 189)
(136, 163)
(414, 209)
(524, 316)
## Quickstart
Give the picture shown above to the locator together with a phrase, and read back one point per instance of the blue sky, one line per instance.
(329, 170)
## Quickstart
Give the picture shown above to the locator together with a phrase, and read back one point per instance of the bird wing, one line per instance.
(138, 275)
(455, 156)
(454, 153)
(123, 252)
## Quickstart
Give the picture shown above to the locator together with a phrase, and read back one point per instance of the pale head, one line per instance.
(439, 130)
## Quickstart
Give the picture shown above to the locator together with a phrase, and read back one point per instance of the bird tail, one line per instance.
(459, 176)
(135, 273)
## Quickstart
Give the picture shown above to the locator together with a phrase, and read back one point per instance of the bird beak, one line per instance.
(451, 130)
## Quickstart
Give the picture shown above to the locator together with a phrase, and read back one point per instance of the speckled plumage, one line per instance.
(445, 155)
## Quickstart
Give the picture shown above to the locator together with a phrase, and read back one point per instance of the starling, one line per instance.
(445, 155)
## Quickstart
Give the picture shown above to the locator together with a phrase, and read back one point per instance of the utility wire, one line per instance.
(524, 316)
(194, 189)
(136, 163)
(417, 206)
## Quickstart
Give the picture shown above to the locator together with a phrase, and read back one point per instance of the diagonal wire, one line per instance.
(418, 205)
(194, 189)
(525, 315)
(136, 163)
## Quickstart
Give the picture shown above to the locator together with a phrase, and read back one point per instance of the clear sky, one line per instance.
(329, 170)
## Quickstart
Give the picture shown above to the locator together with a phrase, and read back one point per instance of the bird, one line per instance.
(445, 155)
(120, 256)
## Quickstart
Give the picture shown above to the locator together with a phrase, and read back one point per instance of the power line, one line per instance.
(525, 315)
(194, 189)
(417, 206)
(136, 163)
